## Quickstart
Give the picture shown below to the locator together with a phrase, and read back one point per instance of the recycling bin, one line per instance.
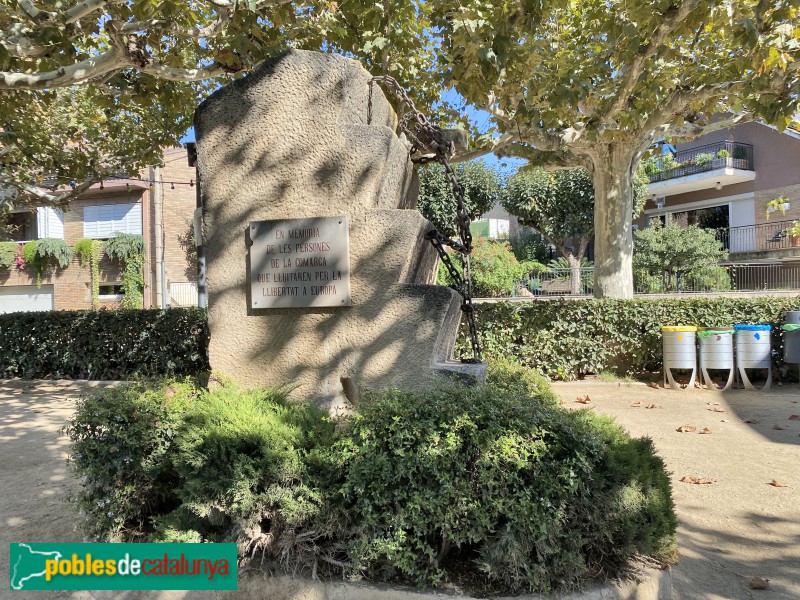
(791, 337)
(679, 352)
(716, 352)
(753, 351)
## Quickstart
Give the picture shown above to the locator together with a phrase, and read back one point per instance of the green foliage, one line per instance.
(107, 345)
(480, 184)
(723, 154)
(122, 246)
(560, 204)
(495, 269)
(8, 252)
(121, 125)
(528, 245)
(40, 255)
(566, 339)
(129, 249)
(674, 251)
(703, 158)
(242, 461)
(532, 490)
(83, 251)
(121, 450)
(417, 486)
(90, 251)
(133, 282)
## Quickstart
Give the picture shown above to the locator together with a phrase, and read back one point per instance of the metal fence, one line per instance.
(182, 293)
(754, 238)
(699, 160)
(733, 277)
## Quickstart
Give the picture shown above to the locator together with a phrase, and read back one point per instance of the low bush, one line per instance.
(420, 487)
(115, 344)
(243, 457)
(566, 339)
(122, 440)
(495, 269)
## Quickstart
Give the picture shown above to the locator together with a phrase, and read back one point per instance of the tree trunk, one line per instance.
(574, 274)
(612, 175)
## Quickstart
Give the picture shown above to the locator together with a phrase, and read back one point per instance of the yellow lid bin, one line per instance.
(679, 352)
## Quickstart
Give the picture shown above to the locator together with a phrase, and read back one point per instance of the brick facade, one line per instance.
(72, 285)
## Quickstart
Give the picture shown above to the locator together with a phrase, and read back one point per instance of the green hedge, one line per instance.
(565, 339)
(493, 485)
(103, 344)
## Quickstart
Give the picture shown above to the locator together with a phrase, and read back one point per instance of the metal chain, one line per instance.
(429, 144)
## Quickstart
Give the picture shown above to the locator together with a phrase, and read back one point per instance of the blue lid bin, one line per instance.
(753, 351)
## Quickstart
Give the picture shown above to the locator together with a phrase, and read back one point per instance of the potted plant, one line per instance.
(793, 233)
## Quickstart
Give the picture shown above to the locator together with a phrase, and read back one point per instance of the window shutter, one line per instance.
(49, 222)
(101, 222)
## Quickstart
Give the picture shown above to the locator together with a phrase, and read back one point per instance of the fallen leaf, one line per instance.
(794, 418)
(584, 400)
(653, 385)
(776, 483)
(686, 429)
(778, 427)
(757, 583)
(751, 421)
(696, 480)
(705, 430)
(717, 409)
(651, 406)
(723, 420)
(636, 405)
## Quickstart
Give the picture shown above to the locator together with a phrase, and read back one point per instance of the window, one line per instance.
(100, 222)
(50, 222)
(111, 290)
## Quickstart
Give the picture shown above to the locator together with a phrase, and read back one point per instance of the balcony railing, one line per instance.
(758, 238)
(699, 160)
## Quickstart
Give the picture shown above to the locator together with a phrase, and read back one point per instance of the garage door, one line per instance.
(25, 298)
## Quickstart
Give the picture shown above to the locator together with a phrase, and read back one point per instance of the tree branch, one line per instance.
(672, 19)
(688, 131)
(168, 26)
(495, 146)
(679, 100)
(75, 74)
(186, 74)
(549, 159)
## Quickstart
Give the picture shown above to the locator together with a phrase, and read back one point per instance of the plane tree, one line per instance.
(91, 88)
(595, 83)
(559, 204)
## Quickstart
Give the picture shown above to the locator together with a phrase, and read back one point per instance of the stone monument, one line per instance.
(317, 270)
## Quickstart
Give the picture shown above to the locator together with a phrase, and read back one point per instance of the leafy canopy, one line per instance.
(567, 75)
(480, 184)
(92, 88)
(560, 204)
(675, 249)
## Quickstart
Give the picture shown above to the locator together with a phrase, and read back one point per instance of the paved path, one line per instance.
(734, 529)
(740, 526)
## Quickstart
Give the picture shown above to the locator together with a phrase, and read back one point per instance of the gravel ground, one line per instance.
(740, 526)
(733, 529)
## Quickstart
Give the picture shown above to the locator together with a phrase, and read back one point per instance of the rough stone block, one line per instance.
(301, 136)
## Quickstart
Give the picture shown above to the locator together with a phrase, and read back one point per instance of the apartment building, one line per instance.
(158, 204)
(725, 181)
